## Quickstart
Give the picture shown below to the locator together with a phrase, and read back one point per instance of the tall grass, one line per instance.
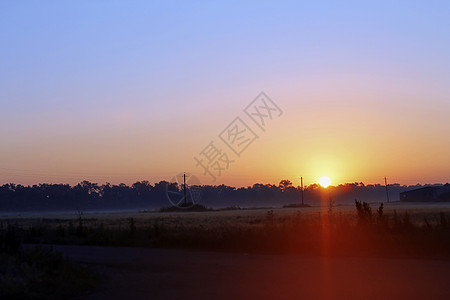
(365, 232)
(37, 273)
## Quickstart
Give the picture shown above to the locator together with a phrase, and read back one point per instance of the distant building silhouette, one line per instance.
(427, 194)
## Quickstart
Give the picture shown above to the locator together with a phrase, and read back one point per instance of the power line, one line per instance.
(301, 184)
(184, 188)
(387, 191)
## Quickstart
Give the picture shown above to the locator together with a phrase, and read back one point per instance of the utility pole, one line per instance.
(184, 188)
(301, 183)
(387, 191)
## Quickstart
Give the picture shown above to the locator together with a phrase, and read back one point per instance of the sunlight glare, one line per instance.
(324, 181)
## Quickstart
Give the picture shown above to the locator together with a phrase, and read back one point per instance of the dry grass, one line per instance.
(416, 229)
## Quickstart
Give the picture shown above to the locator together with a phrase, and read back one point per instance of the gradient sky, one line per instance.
(120, 91)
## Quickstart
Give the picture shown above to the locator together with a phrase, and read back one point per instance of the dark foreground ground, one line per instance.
(134, 273)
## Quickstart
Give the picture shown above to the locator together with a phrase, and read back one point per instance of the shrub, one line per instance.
(40, 273)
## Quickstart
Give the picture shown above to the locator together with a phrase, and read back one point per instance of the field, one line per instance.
(417, 211)
(395, 229)
(379, 237)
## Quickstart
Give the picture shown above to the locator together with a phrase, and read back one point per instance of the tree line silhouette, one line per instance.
(144, 195)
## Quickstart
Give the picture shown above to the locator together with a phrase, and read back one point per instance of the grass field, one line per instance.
(120, 219)
(399, 229)
(361, 230)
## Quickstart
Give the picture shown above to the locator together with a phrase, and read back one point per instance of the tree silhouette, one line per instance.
(285, 184)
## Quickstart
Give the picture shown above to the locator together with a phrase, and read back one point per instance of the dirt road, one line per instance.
(133, 273)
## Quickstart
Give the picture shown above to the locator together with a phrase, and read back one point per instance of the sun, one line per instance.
(324, 181)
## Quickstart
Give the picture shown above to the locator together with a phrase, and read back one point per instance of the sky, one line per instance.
(120, 91)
